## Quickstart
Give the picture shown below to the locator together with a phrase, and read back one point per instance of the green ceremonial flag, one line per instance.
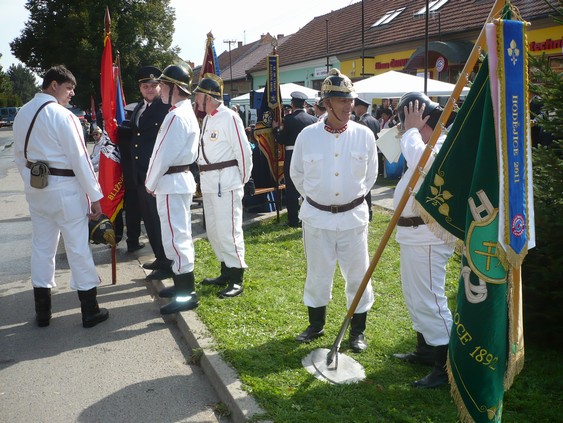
(461, 193)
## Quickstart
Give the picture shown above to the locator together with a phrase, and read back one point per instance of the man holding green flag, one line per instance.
(461, 193)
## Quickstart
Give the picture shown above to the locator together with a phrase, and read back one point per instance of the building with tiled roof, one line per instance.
(393, 38)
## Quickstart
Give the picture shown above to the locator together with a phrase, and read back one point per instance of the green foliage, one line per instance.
(256, 332)
(23, 83)
(543, 267)
(71, 32)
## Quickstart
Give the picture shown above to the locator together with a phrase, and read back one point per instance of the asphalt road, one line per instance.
(131, 368)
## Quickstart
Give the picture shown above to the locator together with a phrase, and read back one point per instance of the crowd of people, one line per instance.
(331, 164)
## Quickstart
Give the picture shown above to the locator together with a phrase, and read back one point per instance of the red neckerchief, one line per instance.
(335, 131)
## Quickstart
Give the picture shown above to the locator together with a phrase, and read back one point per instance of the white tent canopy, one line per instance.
(286, 90)
(394, 84)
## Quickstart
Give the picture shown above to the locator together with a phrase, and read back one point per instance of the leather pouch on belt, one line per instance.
(39, 175)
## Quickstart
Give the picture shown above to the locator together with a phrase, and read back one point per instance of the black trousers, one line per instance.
(132, 216)
(291, 193)
(149, 212)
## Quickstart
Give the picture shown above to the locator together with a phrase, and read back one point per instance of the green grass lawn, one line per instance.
(256, 333)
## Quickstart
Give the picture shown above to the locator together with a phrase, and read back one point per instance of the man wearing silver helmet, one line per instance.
(334, 165)
(423, 255)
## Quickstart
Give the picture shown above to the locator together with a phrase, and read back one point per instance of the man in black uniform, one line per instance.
(361, 110)
(293, 124)
(145, 124)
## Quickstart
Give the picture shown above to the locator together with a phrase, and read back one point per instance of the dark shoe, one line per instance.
(180, 303)
(358, 343)
(185, 297)
(423, 354)
(231, 291)
(135, 247)
(357, 328)
(294, 224)
(160, 274)
(235, 277)
(42, 298)
(152, 265)
(221, 280)
(309, 334)
(438, 376)
(92, 314)
(169, 292)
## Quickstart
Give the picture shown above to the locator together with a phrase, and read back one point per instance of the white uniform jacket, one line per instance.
(412, 148)
(334, 169)
(223, 139)
(176, 145)
(58, 139)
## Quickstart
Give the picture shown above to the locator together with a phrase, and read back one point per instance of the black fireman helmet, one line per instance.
(179, 75)
(101, 231)
(432, 108)
(211, 84)
(337, 84)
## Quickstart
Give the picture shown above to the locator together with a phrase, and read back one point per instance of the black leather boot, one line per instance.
(42, 306)
(235, 288)
(185, 298)
(92, 314)
(438, 376)
(221, 280)
(422, 354)
(357, 328)
(317, 319)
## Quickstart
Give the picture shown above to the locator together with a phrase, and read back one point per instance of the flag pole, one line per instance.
(462, 81)
(107, 28)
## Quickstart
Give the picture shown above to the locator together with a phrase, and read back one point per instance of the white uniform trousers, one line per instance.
(176, 228)
(324, 248)
(55, 212)
(423, 277)
(223, 223)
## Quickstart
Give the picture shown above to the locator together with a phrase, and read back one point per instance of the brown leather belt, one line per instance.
(410, 221)
(217, 166)
(177, 169)
(54, 171)
(340, 208)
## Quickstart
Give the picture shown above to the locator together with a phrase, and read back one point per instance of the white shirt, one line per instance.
(57, 138)
(224, 138)
(412, 148)
(334, 169)
(175, 145)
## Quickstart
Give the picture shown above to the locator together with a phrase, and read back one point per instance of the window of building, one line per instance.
(388, 17)
(433, 6)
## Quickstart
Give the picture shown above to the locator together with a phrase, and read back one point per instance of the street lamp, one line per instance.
(230, 62)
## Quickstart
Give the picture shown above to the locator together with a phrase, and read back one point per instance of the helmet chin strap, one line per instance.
(170, 91)
(205, 103)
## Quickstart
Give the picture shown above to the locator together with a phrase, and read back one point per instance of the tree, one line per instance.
(6, 96)
(23, 82)
(71, 32)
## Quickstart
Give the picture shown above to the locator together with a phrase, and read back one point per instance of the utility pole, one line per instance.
(327, 63)
(230, 61)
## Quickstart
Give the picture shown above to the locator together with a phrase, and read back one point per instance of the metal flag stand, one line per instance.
(337, 368)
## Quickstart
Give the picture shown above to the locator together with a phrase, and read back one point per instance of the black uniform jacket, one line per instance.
(293, 124)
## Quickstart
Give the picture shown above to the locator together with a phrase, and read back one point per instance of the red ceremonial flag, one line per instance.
(209, 65)
(110, 173)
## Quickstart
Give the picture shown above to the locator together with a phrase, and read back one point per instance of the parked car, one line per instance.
(8, 114)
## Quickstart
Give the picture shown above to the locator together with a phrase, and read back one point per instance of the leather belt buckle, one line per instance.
(334, 209)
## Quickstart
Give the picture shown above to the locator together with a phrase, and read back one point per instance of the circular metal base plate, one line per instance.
(342, 370)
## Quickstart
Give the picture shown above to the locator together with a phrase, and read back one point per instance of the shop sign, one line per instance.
(394, 63)
(441, 64)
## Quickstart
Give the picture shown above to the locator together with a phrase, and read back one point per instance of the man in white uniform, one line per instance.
(334, 166)
(169, 179)
(423, 255)
(225, 163)
(46, 131)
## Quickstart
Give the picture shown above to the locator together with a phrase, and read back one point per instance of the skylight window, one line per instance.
(388, 17)
(433, 6)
